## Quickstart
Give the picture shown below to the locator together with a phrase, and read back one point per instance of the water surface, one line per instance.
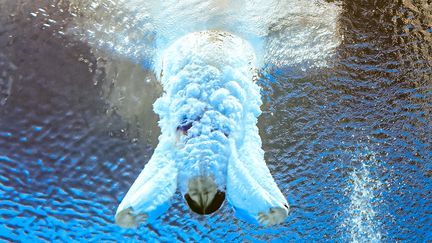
(348, 140)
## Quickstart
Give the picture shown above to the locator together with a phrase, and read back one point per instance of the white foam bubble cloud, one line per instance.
(282, 33)
(206, 54)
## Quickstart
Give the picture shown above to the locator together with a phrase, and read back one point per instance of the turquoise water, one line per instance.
(348, 143)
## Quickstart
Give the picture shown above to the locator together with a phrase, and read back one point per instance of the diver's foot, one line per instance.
(127, 219)
(274, 216)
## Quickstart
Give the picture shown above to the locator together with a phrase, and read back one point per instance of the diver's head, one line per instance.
(203, 196)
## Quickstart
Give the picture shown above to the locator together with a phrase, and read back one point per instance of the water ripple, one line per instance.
(348, 142)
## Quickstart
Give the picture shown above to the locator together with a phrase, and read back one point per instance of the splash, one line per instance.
(209, 143)
(209, 94)
(293, 32)
(129, 37)
(207, 78)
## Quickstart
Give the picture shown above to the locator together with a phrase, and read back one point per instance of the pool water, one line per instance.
(347, 135)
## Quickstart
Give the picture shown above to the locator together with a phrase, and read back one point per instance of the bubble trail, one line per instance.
(361, 221)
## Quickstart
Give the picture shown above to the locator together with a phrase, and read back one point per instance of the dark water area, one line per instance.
(350, 144)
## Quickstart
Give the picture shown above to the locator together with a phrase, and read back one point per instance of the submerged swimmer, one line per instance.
(209, 148)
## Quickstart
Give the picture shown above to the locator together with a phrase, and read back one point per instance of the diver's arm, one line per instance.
(149, 195)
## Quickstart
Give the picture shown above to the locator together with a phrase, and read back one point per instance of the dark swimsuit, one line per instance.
(187, 124)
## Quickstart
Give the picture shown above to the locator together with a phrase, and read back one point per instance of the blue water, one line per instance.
(349, 144)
